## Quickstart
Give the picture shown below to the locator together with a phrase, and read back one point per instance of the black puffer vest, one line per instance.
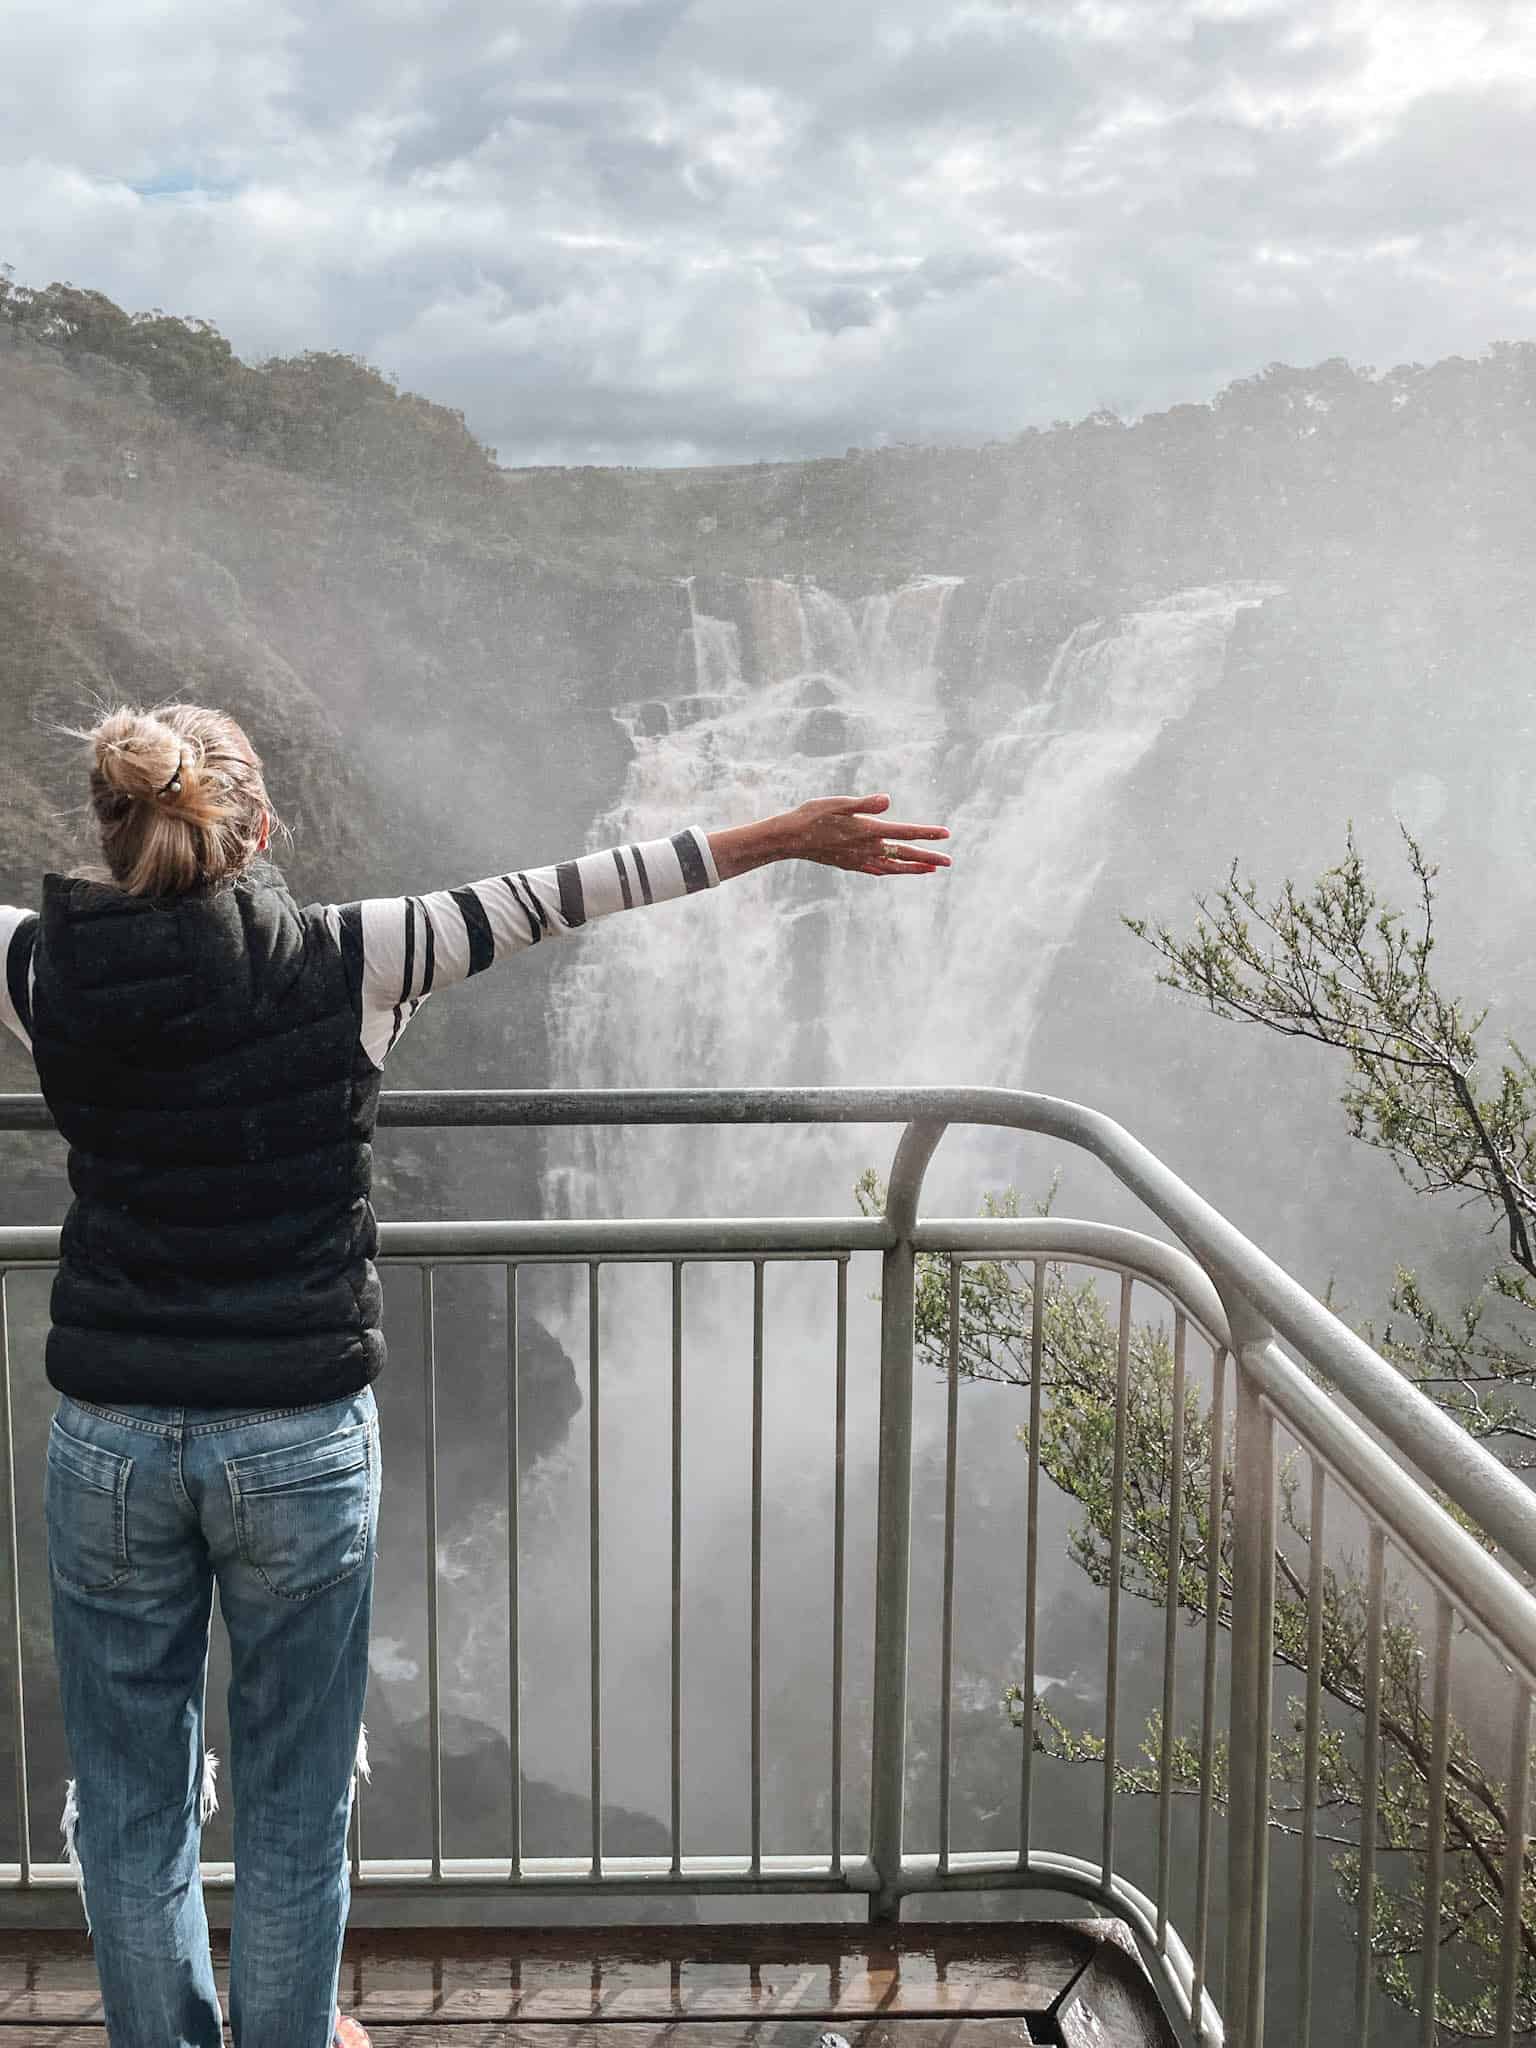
(200, 1054)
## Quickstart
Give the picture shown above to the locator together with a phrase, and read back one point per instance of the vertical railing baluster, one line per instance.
(434, 1670)
(676, 1703)
(13, 1590)
(947, 1623)
(1370, 1783)
(893, 1532)
(1434, 1867)
(1031, 1560)
(1512, 1941)
(839, 1537)
(1311, 1756)
(355, 1826)
(1253, 1626)
(594, 1563)
(1215, 1508)
(1174, 1569)
(514, 1579)
(1258, 1948)
(1116, 1550)
(757, 1568)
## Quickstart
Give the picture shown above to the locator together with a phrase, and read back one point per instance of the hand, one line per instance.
(835, 831)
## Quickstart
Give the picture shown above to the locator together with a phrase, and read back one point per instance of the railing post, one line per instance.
(893, 1529)
(1248, 1727)
(12, 1573)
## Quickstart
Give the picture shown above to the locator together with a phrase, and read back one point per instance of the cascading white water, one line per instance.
(804, 975)
(709, 657)
(800, 974)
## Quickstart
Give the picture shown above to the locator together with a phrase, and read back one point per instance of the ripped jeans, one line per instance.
(147, 1509)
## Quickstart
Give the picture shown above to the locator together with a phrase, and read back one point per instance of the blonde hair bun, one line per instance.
(138, 753)
(179, 796)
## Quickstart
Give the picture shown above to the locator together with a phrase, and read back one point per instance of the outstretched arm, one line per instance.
(405, 948)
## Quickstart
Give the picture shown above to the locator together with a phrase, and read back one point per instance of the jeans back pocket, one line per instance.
(85, 1507)
(304, 1514)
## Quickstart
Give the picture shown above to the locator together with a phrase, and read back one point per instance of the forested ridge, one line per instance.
(1288, 460)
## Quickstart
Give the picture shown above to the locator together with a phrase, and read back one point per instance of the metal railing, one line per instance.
(1246, 1402)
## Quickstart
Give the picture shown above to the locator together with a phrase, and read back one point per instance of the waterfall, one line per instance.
(798, 974)
(801, 974)
(779, 626)
(709, 656)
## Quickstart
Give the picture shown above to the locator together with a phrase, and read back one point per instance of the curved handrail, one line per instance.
(1503, 1612)
(1469, 1474)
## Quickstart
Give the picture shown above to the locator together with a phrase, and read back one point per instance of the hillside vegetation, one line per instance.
(1288, 461)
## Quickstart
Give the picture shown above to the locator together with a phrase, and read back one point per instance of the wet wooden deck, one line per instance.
(1078, 1984)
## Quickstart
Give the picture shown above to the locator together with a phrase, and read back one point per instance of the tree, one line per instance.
(322, 413)
(1339, 969)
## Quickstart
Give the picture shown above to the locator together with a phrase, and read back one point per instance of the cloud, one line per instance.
(700, 230)
(846, 305)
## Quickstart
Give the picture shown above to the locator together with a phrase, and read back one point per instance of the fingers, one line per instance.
(882, 851)
(898, 860)
(888, 830)
(918, 856)
(885, 840)
(829, 804)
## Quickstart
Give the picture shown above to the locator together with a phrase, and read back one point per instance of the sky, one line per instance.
(704, 231)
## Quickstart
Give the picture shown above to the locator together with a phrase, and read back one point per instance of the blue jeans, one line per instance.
(148, 1508)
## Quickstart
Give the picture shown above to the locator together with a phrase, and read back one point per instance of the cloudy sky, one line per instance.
(669, 231)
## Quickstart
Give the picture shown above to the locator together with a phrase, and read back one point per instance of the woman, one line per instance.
(212, 1053)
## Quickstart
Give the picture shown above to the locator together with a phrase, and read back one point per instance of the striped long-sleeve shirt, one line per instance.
(403, 949)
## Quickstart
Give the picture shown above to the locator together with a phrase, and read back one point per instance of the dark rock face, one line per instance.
(549, 1395)
(689, 710)
(477, 1803)
(652, 719)
(470, 1327)
(823, 732)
